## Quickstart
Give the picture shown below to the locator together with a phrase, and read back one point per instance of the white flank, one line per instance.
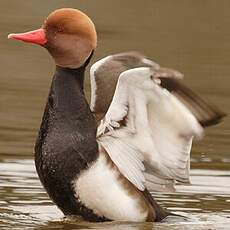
(100, 190)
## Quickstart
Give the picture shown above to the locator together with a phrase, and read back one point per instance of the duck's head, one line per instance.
(68, 34)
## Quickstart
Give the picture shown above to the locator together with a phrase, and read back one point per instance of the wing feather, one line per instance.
(104, 75)
(147, 123)
(158, 132)
(126, 157)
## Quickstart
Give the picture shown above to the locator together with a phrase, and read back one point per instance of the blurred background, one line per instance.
(190, 36)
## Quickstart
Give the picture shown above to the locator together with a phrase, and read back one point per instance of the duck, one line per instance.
(102, 161)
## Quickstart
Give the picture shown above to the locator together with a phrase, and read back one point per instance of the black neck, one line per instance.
(68, 126)
(77, 74)
(66, 94)
(66, 143)
(67, 111)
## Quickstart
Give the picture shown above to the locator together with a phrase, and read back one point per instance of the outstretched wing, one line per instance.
(206, 113)
(104, 75)
(148, 132)
(159, 123)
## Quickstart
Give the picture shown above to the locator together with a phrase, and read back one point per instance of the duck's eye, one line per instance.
(60, 31)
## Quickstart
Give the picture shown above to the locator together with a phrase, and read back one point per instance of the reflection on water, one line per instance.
(191, 36)
(26, 204)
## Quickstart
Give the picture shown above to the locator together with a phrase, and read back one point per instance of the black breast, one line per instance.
(66, 143)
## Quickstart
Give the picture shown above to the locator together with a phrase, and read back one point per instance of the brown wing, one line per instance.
(105, 73)
(206, 113)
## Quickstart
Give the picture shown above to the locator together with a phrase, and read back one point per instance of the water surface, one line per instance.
(191, 36)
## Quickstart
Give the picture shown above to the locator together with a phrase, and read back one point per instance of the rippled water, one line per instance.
(25, 204)
(191, 36)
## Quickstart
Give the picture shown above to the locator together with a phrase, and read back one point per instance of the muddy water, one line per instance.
(191, 36)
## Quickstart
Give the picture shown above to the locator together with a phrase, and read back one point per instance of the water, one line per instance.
(191, 36)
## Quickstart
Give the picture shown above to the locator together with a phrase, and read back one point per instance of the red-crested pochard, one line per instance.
(101, 162)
